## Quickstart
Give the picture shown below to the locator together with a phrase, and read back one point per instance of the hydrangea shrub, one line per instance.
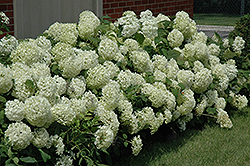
(81, 88)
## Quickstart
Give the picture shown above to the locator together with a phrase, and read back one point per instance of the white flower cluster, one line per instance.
(141, 61)
(108, 49)
(8, 44)
(238, 44)
(4, 18)
(129, 22)
(149, 24)
(41, 138)
(6, 77)
(238, 101)
(19, 135)
(223, 119)
(88, 22)
(175, 38)
(63, 32)
(136, 143)
(65, 160)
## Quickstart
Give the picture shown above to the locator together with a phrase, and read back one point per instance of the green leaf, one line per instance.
(210, 110)
(168, 81)
(125, 136)
(95, 41)
(28, 159)
(29, 83)
(1, 32)
(175, 92)
(172, 54)
(162, 33)
(2, 99)
(44, 155)
(181, 85)
(164, 52)
(157, 40)
(16, 160)
(125, 144)
(139, 38)
(228, 54)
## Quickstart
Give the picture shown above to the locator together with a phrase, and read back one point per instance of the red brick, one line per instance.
(141, 7)
(110, 11)
(151, 1)
(126, 9)
(10, 7)
(133, 8)
(158, 1)
(117, 10)
(114, 4)
(107, 5)
(121, 4)
(130, 3)
(144, 2)
(110, 0)
(3, 7)
(9, 13)
(6, 1)
(114, 16)
(138, 3)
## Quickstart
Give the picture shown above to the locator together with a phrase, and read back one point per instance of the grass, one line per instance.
(211, 146)
(215, 19)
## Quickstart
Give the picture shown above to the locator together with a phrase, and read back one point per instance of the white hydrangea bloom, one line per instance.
(238, 44)
(76, 87)
(167, 115)
(238, 101)
(189, 51)
(160, 76)
(88, 22)
(64, 161)
(172, 69)
(43, 42)
(108, 117)
(19, 135)
(70, 66)
(156, 123)
(214, 49)
(131, 44)
(231, 69)
(150, 28)
(108, 49)
(141, 61)
(91, 100)
(220, 103)
(20, 70)
(8, 44)
(144, 117)
(4, 18)
(226, 43)
(104, 137)
(136, 143)
(89, 59)
(58, 144)
(200, 107)
(181, 124)
(214, 60)
(129, 22)
(201, 52)
(97, 77)
(62, 51)
(29, 53)
(212, 96)
(79, 107)
(112, 68)
(61, 85)
(21, 91)
(46, 86)
(6, 76)
(185, 24)
(40, 70)
(38, 110)
(161, 63)
(111, 95)
(124, 78)
(223, 119)
(186, 77)
(161, 17)
(137, 79)
(41, 138)
(200, 37)
(146, 15)
(175, 38)
(202, 80)
(186, 102)
(220, 71)
(63, 112)
(14, 110)
(198, 66)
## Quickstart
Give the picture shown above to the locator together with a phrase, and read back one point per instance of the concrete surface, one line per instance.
(209, 30)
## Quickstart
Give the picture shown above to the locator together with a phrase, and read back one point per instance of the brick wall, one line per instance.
(7, 7)
(115, 8)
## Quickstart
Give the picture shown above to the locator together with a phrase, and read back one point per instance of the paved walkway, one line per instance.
(209, 30)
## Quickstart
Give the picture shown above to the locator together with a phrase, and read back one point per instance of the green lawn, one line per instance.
(211, 146)
(215, 19)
